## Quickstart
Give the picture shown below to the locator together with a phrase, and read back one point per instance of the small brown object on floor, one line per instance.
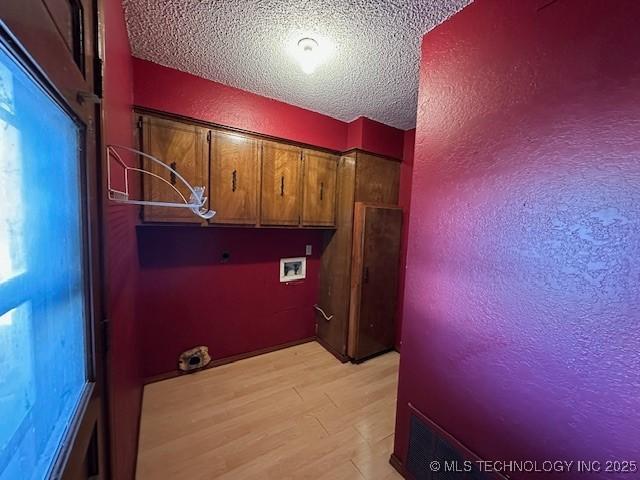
(194, 359)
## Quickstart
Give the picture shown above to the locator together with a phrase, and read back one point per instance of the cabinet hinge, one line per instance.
(139, 122)
(209, 136)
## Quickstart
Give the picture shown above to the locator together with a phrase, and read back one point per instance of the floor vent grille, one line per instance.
(435, 455)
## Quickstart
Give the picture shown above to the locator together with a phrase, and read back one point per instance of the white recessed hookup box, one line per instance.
(292, 269)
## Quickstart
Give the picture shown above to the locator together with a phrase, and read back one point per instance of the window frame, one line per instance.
(84, 449)
(12, 49)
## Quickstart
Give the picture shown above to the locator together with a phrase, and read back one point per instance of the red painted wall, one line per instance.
(521, 330)
(355, 133)
(166, 89)
(188, 297)
(178, 92)
(404, 200)
(124, 371)
(376, 137)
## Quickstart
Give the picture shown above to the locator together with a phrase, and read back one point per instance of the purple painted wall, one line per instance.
(521, 330)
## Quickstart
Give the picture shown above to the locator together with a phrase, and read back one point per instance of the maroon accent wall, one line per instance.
(170, 90)
(404, 200)
(123, 361)
(354, 133)
(521, 330)
(190, 297)
(376, 137)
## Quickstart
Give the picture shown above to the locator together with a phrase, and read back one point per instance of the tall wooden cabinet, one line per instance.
(361, 178)
(374, 279)
(183, 147)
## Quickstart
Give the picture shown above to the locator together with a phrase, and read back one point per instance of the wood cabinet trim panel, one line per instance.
(355, 151)
(359, 219)
(336, 263)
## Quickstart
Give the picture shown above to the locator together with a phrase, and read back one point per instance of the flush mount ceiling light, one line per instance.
(308, 55)
(309, 50)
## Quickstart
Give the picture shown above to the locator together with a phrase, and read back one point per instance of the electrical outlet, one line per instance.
(307, 250)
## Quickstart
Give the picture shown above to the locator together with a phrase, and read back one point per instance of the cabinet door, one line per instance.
(235, 162)
(184, 148)
(319, 189)
(374, 279)
(281, 165)
(377, 179)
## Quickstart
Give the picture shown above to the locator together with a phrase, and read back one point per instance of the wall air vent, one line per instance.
(435, 455)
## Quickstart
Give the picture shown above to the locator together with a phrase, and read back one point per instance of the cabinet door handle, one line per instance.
(234, 180)
(321, 190)
(282, 186)
(366, 275)
(173, 174)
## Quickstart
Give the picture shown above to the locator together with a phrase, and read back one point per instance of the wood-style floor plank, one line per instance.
(292, 414)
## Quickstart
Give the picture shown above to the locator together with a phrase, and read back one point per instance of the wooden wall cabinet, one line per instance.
(183, 147)
(319, 189)
(248, 180)
(377, 179)
(281, 186)
(234, 179)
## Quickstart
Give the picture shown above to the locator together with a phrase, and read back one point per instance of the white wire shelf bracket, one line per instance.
(196, 202)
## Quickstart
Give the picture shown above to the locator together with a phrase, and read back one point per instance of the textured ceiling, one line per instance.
(370, 48)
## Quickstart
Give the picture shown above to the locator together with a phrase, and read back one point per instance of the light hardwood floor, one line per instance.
(292, 414)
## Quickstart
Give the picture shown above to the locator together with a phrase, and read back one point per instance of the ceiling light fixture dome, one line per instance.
(308, 55)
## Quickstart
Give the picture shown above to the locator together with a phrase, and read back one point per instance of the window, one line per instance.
(43, 366)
